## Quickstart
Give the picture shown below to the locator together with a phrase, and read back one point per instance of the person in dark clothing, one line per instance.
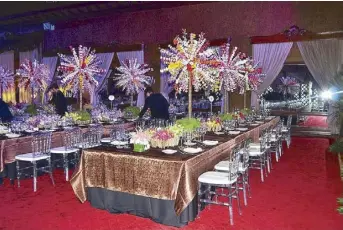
(157, 104)
(58, 100)
(5, 113)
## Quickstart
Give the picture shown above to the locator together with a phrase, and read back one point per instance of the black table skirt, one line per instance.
(160, 211)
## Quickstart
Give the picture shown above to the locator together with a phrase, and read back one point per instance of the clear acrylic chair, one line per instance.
(258, 156)
(71, 140)
(41, 144)
(226, 180)
(243, 170)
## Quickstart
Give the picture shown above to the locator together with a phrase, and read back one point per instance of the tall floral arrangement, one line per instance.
(255, 75)
(34, 75)
(132, 77)
(188, 65)
(232, 69)
(288, 85)
(79, 70)
(6, 79)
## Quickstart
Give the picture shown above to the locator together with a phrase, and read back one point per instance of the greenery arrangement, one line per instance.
(131, 111)
(79, 116)
(31, 110)
(226, 117)
(189, 124)
(246, 111)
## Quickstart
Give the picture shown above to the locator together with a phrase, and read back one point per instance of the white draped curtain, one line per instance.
(7, 61)
(324, 59)
(139, 55)
(106, 60)
(271, 57)
(51, 63)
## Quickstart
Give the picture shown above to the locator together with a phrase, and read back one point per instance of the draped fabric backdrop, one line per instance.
(51, 62)
(106, 61)
(271, 57)
(25, 95)
(7, 61)
(139, 55)
(324, 59)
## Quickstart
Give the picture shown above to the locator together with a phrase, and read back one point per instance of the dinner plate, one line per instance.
(192, 150)
(3, 131)
(169, 151)
(234, 132)
(190, 143)
(259, 122)
(119, 143)
(219, 133)
(269, 118)
(106, 140)
(254, 124)
(29, 131)
(12, 135)
(242, 129)
(210, 143)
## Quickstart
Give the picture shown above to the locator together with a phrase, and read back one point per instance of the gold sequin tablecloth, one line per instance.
(12, 147)
(153, 173)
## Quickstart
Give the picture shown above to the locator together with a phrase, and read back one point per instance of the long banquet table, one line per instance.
(12, 147)
(151, 184)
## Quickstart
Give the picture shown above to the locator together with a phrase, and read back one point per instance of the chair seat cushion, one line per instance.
(31, 157)
(216, 178)
(255, 152)
(223, 166)
(61, 150)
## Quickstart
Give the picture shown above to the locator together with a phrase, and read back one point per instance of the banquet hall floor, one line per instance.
(300, 193)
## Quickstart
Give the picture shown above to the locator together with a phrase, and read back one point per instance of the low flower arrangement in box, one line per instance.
(214, 124)
(140, 141)
(163, 138)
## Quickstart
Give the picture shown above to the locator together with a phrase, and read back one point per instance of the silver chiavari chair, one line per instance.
(41, 145)
(71, 141)
(227, 180)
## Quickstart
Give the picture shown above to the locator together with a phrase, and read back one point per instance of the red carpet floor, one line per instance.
(315, 121)
(300, 193)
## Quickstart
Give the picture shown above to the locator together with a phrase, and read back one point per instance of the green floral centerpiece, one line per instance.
(79, 117)
(189, 124)
(226, 117)
(246, 111)
(31, 110)
(131, 112)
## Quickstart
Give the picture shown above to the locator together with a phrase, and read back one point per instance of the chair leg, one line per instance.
(244, 189)
(18, 173)
(267, 161)
(66, 168)
(34, 176)
(248, 182)
(199, 202)
(230, 207)
(238, 199)
(50, 171)
(261, 168)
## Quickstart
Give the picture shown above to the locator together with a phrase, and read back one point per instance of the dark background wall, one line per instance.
(238, 20)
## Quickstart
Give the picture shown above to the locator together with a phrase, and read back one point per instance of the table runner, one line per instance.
(152, 173)
(12, 147)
